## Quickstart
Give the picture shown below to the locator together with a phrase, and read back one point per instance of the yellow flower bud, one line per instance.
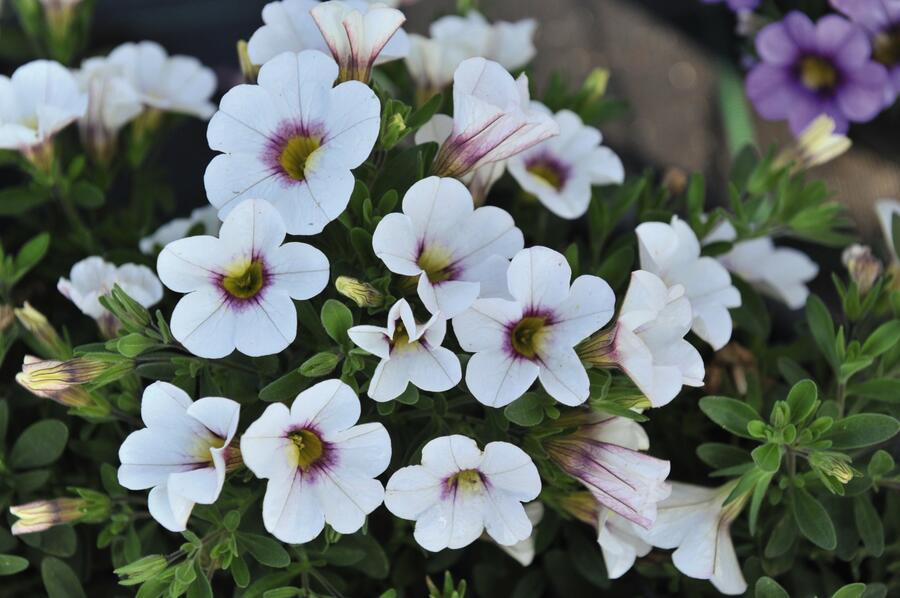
(40, 515)
(361, 293)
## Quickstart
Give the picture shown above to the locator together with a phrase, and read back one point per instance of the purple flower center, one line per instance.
(288, 151)
(549, 169)
(817, 74)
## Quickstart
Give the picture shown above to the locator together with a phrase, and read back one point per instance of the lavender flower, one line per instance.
(808, 69)
(881, 20)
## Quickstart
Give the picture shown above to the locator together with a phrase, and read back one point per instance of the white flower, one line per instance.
(523, 551)
(93, 277)
(533, 335)
(320, 466)
(240, 285)
(605, 457)
(561, 170)
(672, 252)
(182, 454)
(647, 341)
(425, 241)
(292, 140)
(179, 228)
(357, 35)
(409, 352)
(510, 44)
(40, 99)
(459, 491)
(780, 272)
(170, 83)
(432, 62)
(619, 543)
(492, 119)
(694, 521)
(885, 210)
(290, 27)
(113, 102)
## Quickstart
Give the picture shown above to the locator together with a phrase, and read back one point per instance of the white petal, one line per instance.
(149, 456)
(510, 469)
(454, 522)
(504, 518)
(199, 485)
(300, 80)
(588, 307)
(395, 243)
(253, 228)
(389, 380)
(495, 378)
(447, 455)
(448, 298)
(189, 264)
(292, 510)
(364, 449)
(727, 576)
(411, 491)
(485, 326)
(170, 511)
(204, 324)
(433, 369)
(372, 339)
(353, 122)
(539, 277)
(300, 270)
(347, 499)
(265, 446)
(330, 406)
(217, 414)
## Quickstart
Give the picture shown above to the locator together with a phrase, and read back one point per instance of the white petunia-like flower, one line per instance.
(240, 286)
(93, 277)
(694, 522)
(410, 352)
(290, 26)
(620, 544)
(320, 467)
(561, 170)
(432, 62)
(292, 140)
(113, 102)
(523, 551)
(39, 100)
(176, 83)
(207, 217)
(604, 455)
(509, 44)
(780, 272)
(647, 340)
(885, 209)
(492, 119)
(534, 335)
(458, 492)
(672, 252)
(182, 454)
(425, 241)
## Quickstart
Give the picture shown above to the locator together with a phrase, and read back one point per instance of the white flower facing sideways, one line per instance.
(182, 454)
(290, 27)
(93, 277)
(561, 170)
(292, 140)
(619, 543)
(534, 335)
(458, 492)
(780, 272)
(320, 467)
(672, 252)
(695, 522)
(206, 217)
(492, 119)
(240, 286)
(410, 352)
(885, 209)
(425, 241)
(647, 340)
(177, 83)
(40, 99)
(113, 102)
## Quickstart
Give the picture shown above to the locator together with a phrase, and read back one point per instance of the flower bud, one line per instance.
(594, 86)
(61, 381)
(249, 70)
(141, 570)
(817, 144)
(864, 268)
(41, 515)
(831, 466)
(43, 332)
(361, 293)
(6, 317)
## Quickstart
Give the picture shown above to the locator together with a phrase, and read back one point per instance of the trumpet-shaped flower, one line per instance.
(458, 492)
(240, 286)
(881, 21)
(620, 544)
(206, 217)
(372, 31)
(647, 341)
(424, 241)
(182, 454)
(169, 83)
(40, 99)
(561, 170)
(113, 102)
(93, 277)
(780, 272)
(492, 119)
(292, 140)
(410, 352)
(695, 522)
(432, 62)
(534, 335)
(672, 252)
(605, 457)
(320, 467)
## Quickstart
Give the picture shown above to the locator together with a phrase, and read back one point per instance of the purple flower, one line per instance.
(736, 5)
(807, 69)
(881, 20)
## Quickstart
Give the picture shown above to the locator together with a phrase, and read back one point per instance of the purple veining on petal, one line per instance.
(449, 485)
(277, 142)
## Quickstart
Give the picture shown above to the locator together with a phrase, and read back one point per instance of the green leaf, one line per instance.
(782, 538)
(868, 524)
(718, 455)
(853, 590)
(285, 388)
(886, 390)
(200, 588)
(759, 493)
(812, 519)
(527, 411)
(337, 319)
(731, 414)
(265, 550)
(766, 587)
(895, 233)
(31, 253)
(18, 200)
(822, 328)
(87, 195)
(11, 564)
(320, 364)
(802, 399)
(767, 457)
(132, 345)
(40, 444)
(59, 579)
(883, 338)
(880, 464)
(861, 430)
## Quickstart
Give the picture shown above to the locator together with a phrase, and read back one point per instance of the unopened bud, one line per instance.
(141, 570)
(6, 317)
(361, 293)
(832, 465)
(60, 381)
(595, 85)
(249, 70)
(582, 506)
(41, 515)
(862, 265)
(675, 181)
(817, 144)
(43, 332)
(394, 131)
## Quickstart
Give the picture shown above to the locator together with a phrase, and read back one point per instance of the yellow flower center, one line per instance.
(547, 173)
(817, 74)
(296, 153)
(467, 480)
(526, 337)
(308, 448)
(886, 47)
(203, 449)
(400, 340)
(436, 261)
(244, 279)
